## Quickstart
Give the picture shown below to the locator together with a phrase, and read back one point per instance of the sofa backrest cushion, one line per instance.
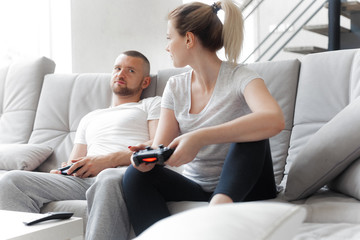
(20, 87)
(158, 81)
(328, 82)
(281, 78)
(65, 99)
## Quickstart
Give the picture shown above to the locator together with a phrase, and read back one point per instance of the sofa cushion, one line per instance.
(328, 82)
(348, 182)
(20, 87)
(326, 154)
(330, 207)
(328, 231)
(281, 78)
(64, 100)
(251, 220)
(23, 156)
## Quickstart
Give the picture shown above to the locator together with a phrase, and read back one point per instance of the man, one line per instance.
(101, 142)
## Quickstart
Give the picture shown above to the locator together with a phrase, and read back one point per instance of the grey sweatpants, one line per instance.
(108, 216)
(29, 191)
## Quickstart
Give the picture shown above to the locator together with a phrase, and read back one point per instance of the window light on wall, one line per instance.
(36, 28)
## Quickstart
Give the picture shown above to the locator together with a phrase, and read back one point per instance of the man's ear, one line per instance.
(146, 82)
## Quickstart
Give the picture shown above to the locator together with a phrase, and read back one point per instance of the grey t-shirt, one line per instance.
(226, 103)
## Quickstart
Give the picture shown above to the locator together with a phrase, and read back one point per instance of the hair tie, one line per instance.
(215, 8)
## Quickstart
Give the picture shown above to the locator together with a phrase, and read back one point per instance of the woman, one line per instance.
(218, 118)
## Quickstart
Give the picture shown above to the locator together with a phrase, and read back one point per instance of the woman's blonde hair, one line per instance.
(201, 19)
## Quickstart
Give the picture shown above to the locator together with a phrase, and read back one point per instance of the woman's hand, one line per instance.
(143, 167)
(186, 148)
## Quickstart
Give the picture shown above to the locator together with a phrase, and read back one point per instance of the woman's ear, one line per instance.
(190, 40)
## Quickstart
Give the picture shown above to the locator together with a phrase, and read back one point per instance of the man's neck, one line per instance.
(118, 100)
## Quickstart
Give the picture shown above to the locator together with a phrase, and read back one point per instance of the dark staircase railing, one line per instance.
(287, 30)
(295, 33)
(334, 24)
(274, 30)
(338, 36)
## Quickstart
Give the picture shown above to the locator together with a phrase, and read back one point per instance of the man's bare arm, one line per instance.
(93, 165)
(78, 151)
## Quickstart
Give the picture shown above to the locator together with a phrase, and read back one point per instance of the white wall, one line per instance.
(101, 29)
(87, 35)
(24, 29)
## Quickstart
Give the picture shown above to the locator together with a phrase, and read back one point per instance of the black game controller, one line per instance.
(64, 170)
(150, 155)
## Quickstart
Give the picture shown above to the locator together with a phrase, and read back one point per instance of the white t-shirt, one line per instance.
(226, 103)
(112, 129)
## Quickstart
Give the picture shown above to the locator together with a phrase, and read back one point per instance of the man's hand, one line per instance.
(56, 171)
(89, 166)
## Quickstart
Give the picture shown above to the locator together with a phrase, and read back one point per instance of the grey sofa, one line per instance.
(315, 156)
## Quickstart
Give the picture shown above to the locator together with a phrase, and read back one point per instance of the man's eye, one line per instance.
(132, 71)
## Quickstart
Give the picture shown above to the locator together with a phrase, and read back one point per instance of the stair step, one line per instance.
(323, 29)
(348, 7)
(305, 49)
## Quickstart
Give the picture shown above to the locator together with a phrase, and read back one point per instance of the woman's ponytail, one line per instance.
(233, 30)
(202, 20)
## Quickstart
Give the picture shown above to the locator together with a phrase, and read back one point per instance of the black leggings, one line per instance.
(247, 175)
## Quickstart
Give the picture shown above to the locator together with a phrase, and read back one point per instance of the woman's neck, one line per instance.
(206, 71)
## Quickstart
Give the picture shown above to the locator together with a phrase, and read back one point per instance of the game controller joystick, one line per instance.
(150, 155)
(64, 170)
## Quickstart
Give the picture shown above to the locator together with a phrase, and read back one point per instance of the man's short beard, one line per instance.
(125, 92)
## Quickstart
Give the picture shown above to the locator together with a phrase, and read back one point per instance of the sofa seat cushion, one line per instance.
(23, 156)
(348, 182)
(250, 220)
(328, 231)
(326, 206)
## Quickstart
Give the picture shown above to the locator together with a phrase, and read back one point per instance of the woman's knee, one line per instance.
(135, 179)
(132, 176)
(250, 147)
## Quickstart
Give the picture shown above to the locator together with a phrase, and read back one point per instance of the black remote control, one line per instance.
(150, 155)
(65, 169)
(50, 216)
